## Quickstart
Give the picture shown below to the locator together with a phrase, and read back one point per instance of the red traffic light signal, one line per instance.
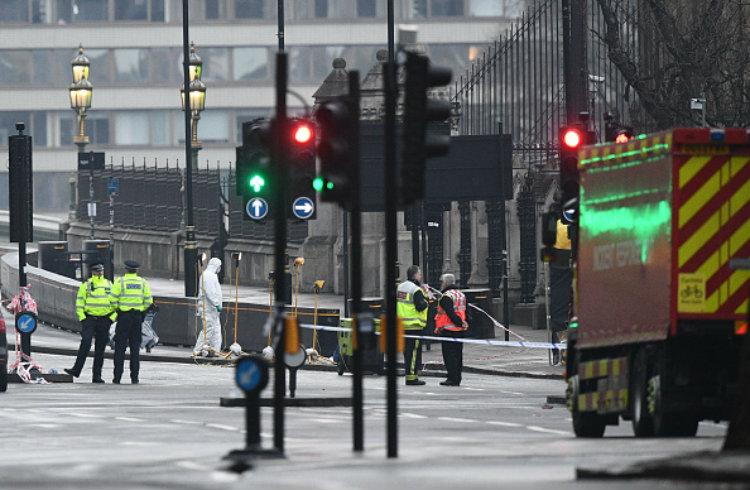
(303, 132)
(572, 138)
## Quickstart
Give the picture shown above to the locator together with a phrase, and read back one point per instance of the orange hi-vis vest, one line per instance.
(443, 321)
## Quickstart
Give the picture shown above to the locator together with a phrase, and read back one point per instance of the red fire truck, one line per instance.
(659, 312)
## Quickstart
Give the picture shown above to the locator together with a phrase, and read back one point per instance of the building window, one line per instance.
(486, 8)
(322, 60)
(215, 64)
(14, 11)
(250, 64)
(164, 66)
(131, 65)
(448, 8)
(321, 9)
(132, 128)
(131, 10)
(100, 61)
(214, 127)
(15, 67)
(248, 9)
(40, 12)
(97, 128)
(157, 10)
(213, 10)
(418, 9)
(82, 11)
(366, 8)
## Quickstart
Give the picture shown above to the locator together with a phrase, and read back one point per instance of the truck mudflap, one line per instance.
(610, 379)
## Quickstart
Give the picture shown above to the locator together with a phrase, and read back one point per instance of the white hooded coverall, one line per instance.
(209, 294)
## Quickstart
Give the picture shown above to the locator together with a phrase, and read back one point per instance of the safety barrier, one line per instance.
(177, 323)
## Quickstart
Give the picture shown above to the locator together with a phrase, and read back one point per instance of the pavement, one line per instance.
(480, 359)
(493, 432)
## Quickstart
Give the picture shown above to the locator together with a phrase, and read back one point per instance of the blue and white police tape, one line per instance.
(495, 343)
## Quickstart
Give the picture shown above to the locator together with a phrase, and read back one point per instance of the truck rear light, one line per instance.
(740, 328)
(2, 326)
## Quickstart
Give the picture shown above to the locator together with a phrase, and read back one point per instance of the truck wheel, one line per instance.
(643, 423)
(668, 424)
(585, 424)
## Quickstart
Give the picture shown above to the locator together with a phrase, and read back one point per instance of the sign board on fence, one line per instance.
(92, 160)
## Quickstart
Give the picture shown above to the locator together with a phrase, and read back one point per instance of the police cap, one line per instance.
(132, 265)
(97, 267)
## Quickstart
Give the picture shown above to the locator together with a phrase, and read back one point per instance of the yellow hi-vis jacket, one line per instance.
(405, 308)
(94, 299)
(131, 292)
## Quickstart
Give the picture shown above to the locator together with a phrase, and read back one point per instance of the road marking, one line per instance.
(190, 465)
(129, 419)
(178, 421)
(536, 428)
(474, 389)
(456, 419)
(85, 415)
(503, 424)
(223, 427)
(45, 426)
(412, 415)
(512, 393)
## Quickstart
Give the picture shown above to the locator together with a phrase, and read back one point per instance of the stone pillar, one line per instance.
(464, 253)
(528, 249)
(495, 228)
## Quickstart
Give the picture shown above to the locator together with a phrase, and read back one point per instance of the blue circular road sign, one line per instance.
(303, 207)
(251, 374)
(257, 208)
(26, 322)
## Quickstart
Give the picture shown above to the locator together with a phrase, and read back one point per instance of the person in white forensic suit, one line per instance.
(209, 309)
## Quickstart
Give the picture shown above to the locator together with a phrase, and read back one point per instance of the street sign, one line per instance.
(26, 322)
(303, 207)
(91, 208)
(257, 208)
(251, 374)
(92, 160)
(114, 185)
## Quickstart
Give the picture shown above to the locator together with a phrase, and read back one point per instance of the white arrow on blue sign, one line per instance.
(257, 208)
(303, 207)
(26, 322)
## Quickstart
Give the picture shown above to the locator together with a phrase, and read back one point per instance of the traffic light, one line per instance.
(337, 122)
(301, 160)
(253, 169)
(572, 139)
(419, 112)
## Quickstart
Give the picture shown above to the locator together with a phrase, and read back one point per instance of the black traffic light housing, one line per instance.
(338, 120)
(419, 111)
(301, 163)
(253, 164)
(572, 138)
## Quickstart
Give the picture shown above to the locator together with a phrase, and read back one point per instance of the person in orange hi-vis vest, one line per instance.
(450, 321)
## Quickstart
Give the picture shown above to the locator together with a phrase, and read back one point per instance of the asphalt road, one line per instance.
(169, 432)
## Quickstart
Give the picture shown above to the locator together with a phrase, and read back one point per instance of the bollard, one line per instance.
(293, 362)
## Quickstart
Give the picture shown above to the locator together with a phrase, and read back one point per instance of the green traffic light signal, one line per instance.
(257, 183)
(317, 184)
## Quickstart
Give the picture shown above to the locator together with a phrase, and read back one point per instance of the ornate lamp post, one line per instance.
(192, 104)
(81, 92)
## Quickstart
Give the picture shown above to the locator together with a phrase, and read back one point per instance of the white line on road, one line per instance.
(45, 426)
(474, 389)
(503, 424)
(412, 415)
(85, 415)
(536, 428)
(223, 427)
(129, 419)
(189, 422)
(456, 419)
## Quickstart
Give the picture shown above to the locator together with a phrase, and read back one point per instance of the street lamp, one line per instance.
(192, 104)
(81, 92)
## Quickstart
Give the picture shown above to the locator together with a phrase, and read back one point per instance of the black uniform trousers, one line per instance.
(97, 328)
(128, 335)
(453, 355)
(412, 356)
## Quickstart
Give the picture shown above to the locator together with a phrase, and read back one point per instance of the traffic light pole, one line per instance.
(279, 185)
(391, 254)
(356, 268)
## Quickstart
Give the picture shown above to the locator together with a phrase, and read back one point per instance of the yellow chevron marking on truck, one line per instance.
(702, 196)
(691, 168)
(699, 238)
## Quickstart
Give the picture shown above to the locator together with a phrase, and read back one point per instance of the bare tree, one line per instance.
(683, 49)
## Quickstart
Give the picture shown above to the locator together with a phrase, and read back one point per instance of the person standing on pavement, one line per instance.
(450, 321)
(96, 313)
(411, 309)
(209, 309)
(131, 295)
